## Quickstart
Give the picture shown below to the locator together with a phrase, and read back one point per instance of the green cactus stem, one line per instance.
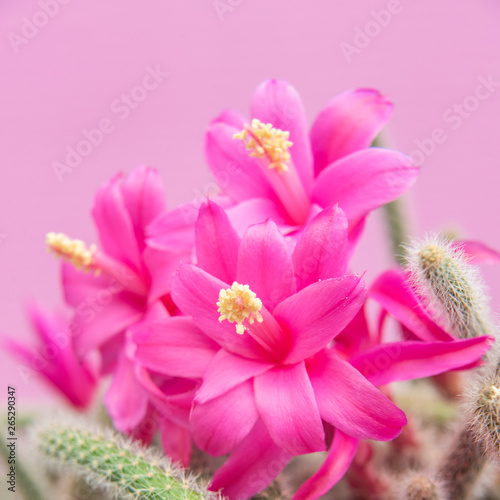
(107, 459)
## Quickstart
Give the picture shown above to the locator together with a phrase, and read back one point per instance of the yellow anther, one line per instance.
(74, 251)
(237, 304)
(262, 139)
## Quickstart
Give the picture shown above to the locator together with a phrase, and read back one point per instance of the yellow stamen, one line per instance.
(74, 251)
(262, 139)
(237, 304)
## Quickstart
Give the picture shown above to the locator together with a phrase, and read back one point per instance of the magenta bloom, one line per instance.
(270, 385)
(125, 275)
(272, 166)
(127, 283)
(54, 358)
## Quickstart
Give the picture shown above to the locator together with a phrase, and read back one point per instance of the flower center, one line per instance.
(263, 140)
(237, 304)
(74, 251)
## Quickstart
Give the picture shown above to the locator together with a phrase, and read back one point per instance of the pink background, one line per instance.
(64, 79)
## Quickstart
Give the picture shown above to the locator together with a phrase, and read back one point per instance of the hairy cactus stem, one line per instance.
(111, 461)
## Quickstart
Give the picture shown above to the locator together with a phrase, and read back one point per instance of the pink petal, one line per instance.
(410, 360)
(249, 212)
(175, 346)
(173, 231)
(114, 224)
(96, 320)
(364, 180)
(222, 423)
(217, 243)
(227, 371)
(54, 357)
(110, 352)
(162, 266)
(478, 252)
(176, 442)
(144, 198)
(196, 293)
(102, 307)
(332, 470)
(171, 397)
(321, 250)
(278, 103)
(77, 383)
(51, 328)
(348, 401)
(265, 264)
(126, 401)
(238, 174)
(348, 123)
(286, 404)
(156, 311)
(145, 430)
(390, 291)
(355, 336)
(230, 117)
(252, 466)
(316, 314)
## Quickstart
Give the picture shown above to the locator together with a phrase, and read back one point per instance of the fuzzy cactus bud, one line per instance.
(450, 287)
(116, 463)
(484, 410)
(422, 487)
(463, 466)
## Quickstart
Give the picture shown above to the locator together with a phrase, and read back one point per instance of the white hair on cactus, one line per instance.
(450, 287)
(482, 406)
(422, 485)
(112, 461)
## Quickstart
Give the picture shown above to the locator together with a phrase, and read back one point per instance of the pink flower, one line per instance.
(54, 358)
(271, 166)
(126, 276)
(270, 385)
(128, 282)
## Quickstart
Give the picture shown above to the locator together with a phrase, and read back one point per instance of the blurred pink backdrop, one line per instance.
(66, 63)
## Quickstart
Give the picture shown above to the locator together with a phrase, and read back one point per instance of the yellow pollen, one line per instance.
(237, 304)
(74, 251)
(262, 139)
